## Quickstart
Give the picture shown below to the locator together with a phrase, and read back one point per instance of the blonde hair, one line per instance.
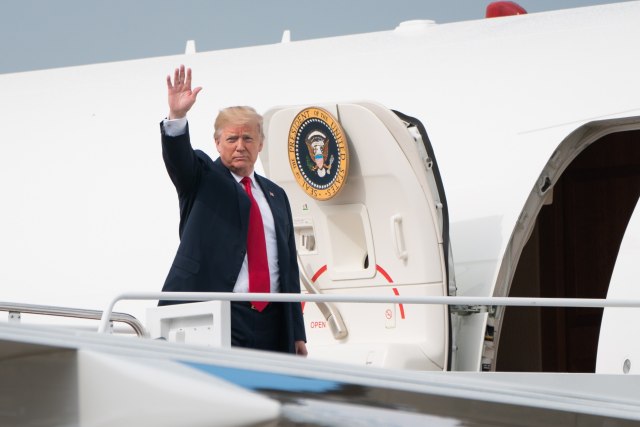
(238, 115)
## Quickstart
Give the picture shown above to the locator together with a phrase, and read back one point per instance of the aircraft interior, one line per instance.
(572, 253)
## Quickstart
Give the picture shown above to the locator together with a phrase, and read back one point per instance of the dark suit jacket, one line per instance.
(214, 218)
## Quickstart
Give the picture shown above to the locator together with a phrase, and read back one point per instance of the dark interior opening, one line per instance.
(571, 254)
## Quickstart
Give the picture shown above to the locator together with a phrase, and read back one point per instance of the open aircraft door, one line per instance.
(370, 217)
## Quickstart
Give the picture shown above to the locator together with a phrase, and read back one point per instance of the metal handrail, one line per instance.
(77, 313)
(328, 310)
(378, 299)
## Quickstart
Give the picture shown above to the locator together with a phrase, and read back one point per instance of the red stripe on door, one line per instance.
(395, 291)
(319, 273)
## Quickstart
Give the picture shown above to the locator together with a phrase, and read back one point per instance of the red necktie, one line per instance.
(256, 250)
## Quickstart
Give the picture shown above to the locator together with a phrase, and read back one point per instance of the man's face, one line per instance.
(239, 146)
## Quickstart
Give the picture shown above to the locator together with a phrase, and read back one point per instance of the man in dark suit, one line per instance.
(236, 234)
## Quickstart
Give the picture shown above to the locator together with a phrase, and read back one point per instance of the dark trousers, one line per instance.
(258, 330)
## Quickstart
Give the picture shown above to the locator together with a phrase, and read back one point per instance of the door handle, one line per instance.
(398, 237)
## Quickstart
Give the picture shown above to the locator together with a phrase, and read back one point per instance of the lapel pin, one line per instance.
(271, 194)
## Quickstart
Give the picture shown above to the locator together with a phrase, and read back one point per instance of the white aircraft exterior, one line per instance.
(524, 182)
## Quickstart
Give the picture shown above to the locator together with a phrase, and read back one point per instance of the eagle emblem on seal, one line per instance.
(318, 147)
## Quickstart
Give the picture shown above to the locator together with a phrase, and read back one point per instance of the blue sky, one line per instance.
(37, 34)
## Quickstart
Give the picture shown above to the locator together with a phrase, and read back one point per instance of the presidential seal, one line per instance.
(318, 153)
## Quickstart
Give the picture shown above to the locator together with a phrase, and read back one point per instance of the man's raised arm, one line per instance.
(179, 158)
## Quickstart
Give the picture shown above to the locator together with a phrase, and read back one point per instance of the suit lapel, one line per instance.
(269, 194)
(275, 203)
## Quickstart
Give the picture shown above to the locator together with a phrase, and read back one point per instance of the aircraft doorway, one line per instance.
(571, 253)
